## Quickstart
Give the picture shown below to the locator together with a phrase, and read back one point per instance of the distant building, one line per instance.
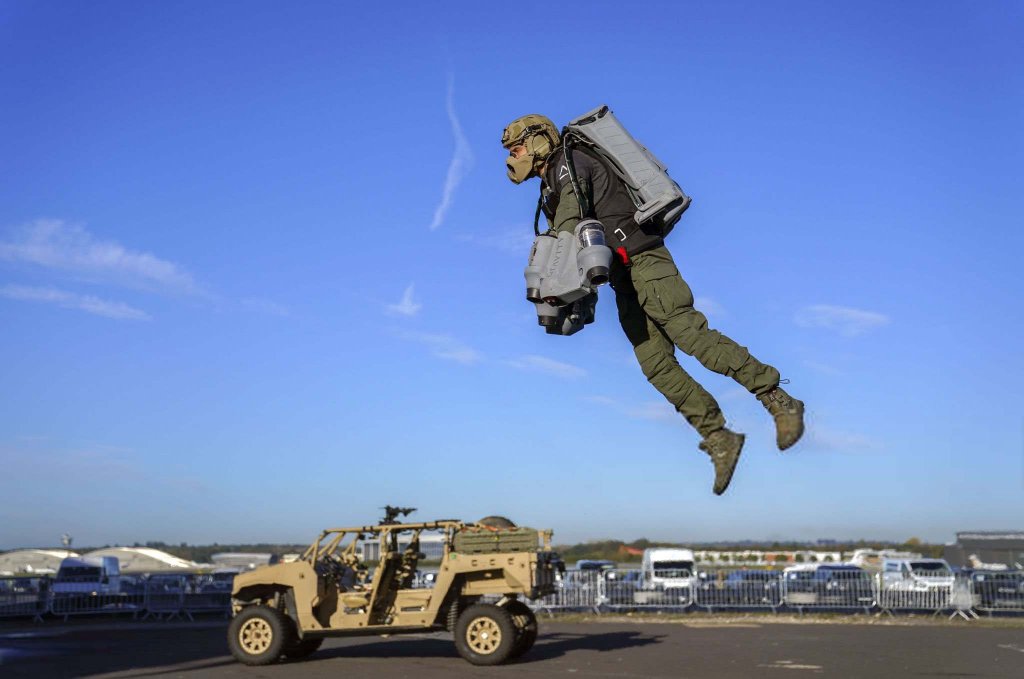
(32, 561)
(145, 560)
(987, 547)
(244, 561)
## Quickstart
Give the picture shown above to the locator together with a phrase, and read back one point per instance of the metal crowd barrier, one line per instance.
(929, 594)
(206, 602)
(74, 603)
(961, 600)
(797, 588)
(161, 596)
(617, 589)
(740, 588)
(574, 591)
(24, 597)
(631, 589)
(997, 591)
(165, 596)
(828, 587)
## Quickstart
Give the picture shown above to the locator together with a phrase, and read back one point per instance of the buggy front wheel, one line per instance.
(257, 635)
(485, 634)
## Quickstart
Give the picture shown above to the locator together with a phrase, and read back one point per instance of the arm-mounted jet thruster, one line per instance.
(563, 274)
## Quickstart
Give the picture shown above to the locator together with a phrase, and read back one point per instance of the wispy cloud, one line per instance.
(822, 437)
(407, 306)
(847, 321)
(462, 159)
(547, 365)
(514, 240)
(658, 411)
(70, 300)
(54, 244)
(446, 347)
(710, 307)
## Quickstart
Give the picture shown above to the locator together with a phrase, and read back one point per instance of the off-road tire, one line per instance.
(526, 626)
(258, 635)
(485, 634)
(303, 648)
(496, 522)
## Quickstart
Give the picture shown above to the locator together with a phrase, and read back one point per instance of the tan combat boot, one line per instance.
(788, 413)
(724, 447)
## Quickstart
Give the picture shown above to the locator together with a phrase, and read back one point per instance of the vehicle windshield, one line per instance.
(79, 573)
(844, 573)
(932, 568)
(673, 569)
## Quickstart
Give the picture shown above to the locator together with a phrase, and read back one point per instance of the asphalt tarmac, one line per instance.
(607, 649)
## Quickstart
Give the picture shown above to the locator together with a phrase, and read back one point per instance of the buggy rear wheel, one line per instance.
(526, 626)
(485, 634)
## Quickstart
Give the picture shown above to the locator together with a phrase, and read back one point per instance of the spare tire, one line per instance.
(496, 522)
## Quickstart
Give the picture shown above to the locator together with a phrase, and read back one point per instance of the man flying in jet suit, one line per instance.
(655, 304)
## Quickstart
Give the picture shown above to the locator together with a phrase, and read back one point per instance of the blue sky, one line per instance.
(261, 269)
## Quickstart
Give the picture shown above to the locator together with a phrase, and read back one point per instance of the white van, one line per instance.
(88, 575)
(667, 568)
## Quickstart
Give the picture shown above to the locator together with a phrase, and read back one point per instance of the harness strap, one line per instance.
(581, 198)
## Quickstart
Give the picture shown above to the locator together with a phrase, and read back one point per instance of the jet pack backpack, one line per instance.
(658, 198)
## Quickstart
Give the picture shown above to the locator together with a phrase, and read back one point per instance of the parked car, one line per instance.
(23, 585)
(916, 583)
(620, 587)
(220, 581)
(829, 585)
(916, 574)
(133, 584)
(845, 585)
(998, 589)
(752, 588)
(166, 583)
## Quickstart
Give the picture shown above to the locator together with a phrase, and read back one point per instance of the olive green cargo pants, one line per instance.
(656, 311)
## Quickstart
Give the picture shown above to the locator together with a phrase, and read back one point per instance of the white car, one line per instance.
(916, 583)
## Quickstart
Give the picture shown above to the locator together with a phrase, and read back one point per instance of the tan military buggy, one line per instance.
(288, 609)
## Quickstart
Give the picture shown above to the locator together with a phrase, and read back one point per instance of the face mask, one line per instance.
(520, 169)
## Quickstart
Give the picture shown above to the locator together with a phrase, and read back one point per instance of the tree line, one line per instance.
(611, 550)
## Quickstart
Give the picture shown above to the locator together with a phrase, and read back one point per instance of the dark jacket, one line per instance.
(606, 198)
